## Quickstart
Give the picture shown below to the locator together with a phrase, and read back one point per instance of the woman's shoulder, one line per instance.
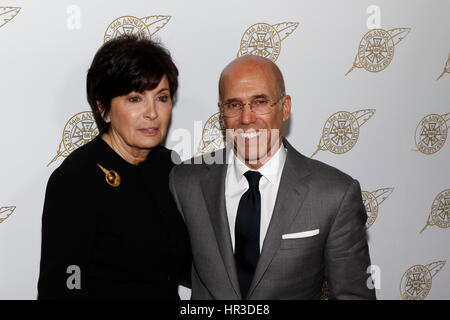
(79, 160)
(167, 156)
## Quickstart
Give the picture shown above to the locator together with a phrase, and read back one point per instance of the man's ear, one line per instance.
(103, 113)
(286, 107)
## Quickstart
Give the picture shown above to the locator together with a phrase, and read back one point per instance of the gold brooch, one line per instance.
(112, 177)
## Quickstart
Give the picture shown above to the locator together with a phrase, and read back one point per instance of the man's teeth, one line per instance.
(250, 135)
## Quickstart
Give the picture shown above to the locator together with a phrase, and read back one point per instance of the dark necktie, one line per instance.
(246, 232)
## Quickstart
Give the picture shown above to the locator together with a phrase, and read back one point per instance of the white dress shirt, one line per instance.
(236, 185)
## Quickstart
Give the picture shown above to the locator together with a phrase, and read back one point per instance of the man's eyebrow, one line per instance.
(259, 96)
(232, 100)
(256, 96)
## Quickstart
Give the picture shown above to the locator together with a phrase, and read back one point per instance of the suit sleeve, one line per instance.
(347, 253)
(68, 229)
(173, 190)
(185, 267)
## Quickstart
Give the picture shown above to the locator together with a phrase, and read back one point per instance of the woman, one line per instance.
(110, 228)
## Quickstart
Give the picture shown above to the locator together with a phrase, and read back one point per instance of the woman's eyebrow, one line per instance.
(163, 89)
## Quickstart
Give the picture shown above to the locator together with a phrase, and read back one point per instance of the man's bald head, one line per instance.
(248, 63)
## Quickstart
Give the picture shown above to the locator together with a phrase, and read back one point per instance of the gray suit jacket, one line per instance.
(311, 195)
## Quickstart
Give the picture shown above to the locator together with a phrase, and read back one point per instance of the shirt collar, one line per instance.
(271, 170)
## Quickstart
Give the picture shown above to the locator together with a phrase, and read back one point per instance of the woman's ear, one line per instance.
(103, 113)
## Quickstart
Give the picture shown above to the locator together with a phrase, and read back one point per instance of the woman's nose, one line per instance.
(150, 110)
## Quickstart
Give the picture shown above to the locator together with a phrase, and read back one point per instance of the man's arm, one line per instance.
(347, 252)
(173, 189)
(186, 272)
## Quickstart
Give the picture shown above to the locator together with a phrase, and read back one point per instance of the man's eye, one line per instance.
(260, 102)
(163, 98)
(233, 105)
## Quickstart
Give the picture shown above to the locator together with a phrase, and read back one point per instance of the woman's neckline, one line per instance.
(116, 155)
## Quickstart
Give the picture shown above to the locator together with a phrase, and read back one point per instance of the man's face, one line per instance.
(255, 136)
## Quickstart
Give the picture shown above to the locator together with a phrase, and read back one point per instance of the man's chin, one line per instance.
(252, 157)
(251, 151)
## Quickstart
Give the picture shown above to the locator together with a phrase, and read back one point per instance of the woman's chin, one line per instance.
(148, 143)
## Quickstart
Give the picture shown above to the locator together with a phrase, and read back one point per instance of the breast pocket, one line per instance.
(301, 240)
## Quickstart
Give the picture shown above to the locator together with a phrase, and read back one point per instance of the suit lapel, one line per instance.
(213, 188)
(290, 197)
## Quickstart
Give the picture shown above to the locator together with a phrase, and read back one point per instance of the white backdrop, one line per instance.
(46, 48)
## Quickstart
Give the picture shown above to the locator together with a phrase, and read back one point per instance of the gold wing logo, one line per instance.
(446, 68)
(341, 131)
(213, 135)
(376, 49)
(431, 133)
(440, 211)
(5, 212)
(372, 201)
(79, 130)
(7, 14)
(144, 27)
(263, 39)
(417, 281)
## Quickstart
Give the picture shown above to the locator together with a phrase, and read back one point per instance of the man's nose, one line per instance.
(247, 115)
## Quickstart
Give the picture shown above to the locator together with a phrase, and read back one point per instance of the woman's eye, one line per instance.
(134, 99)
(163, 98)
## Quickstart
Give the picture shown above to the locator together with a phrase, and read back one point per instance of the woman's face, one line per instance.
(140, 120)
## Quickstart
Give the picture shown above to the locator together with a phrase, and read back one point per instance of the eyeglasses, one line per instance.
(259, 106)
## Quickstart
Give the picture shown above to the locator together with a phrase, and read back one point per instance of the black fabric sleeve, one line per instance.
(68, 229)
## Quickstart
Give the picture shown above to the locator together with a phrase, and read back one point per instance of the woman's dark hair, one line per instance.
(125, 64)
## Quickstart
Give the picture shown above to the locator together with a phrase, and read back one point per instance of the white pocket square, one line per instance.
(298, 235)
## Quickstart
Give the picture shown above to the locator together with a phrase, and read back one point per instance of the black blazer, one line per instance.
(129, 241)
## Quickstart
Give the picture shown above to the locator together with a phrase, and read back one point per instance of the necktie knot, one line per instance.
(253, 178)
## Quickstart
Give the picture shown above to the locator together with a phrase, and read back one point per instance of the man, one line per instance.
(270, 223)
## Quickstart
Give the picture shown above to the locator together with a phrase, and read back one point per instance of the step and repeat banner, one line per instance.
(369, 81)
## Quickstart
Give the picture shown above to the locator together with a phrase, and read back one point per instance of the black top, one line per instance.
(129, 241)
